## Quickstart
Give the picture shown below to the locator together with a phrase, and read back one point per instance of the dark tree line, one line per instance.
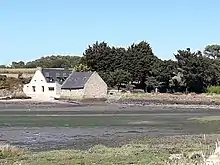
(190, 72)
(48, 62)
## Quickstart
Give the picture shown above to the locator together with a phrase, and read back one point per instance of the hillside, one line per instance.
(12, 87)
(18, 70)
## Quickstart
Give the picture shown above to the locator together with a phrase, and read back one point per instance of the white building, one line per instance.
(46, 83)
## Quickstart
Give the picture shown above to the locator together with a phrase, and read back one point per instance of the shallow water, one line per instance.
(82, 127)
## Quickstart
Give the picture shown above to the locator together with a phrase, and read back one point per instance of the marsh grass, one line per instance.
(10, 154)
(206, 118)
(128, 154)
(16, 71)
(10, 151)
(178, 150)
(213, 89)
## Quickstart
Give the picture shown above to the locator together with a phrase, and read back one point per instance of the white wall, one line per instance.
(38, 81)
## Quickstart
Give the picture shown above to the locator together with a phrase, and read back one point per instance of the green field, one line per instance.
(152, 151)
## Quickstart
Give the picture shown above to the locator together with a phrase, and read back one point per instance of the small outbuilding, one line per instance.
(84, 85)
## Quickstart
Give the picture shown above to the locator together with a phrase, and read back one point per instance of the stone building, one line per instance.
(84, 85)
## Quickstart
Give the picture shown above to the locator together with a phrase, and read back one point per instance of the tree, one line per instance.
(199, 72)
(212, 51)
(19, 64)
(116, 78)
(98, 57)
(141, 63)
(120, 77)
(54, 62)
(3, 66)
(166, 70)
(138, 60)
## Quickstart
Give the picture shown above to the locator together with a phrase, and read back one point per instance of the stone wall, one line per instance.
(95, 87)
(72, 94)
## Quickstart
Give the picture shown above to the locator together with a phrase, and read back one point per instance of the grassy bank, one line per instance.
(16, 71)
(166, 98)
(153, 151)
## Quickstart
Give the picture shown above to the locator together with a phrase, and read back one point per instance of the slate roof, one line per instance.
(76, 80)
(56, 75)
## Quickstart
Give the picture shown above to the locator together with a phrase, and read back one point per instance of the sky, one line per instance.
(30, 29)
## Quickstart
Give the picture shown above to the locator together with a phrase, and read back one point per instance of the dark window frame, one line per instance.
(51, 88)
(34, 88)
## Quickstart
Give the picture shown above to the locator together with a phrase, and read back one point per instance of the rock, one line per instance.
(176, 156)
(214, 159)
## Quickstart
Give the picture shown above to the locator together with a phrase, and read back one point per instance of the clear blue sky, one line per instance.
(30, 29)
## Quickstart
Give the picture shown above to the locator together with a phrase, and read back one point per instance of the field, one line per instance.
(26, 72)
(110, 134)
(16, 71)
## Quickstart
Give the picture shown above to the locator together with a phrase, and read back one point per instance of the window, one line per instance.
(51, 88)
(47, 74)
(57, 74)
(34, 88)
(42, 88)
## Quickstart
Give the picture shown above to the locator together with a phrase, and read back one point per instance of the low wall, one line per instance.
(72, 94)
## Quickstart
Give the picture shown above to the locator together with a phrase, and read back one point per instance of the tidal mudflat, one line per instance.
(81, 127)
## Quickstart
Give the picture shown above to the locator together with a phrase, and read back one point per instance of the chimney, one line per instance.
(39, 68)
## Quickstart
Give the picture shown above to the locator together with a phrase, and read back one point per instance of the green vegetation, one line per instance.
(117, 78)
(154, 151)
(213, 89)
(101, 155)
(138, 154)
(47, 62)
(207, 118)
(191, 72)
(81, 68)
(212, 51)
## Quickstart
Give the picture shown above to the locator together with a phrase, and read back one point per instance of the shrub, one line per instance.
(7, 151)
(213, 89)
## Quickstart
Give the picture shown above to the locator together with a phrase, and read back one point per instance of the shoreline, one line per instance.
(125, 103)
(143, 102)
